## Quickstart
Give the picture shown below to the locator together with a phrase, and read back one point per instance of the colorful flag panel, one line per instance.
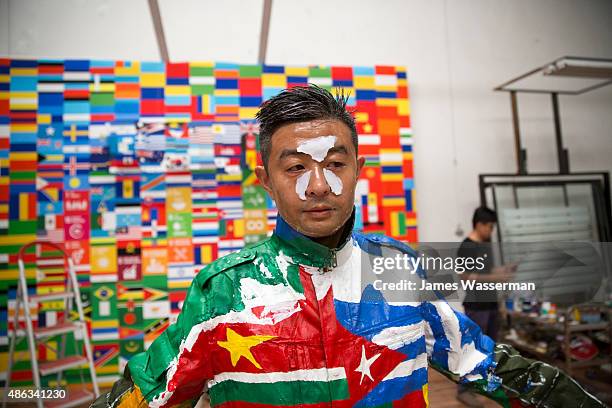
(144, 173)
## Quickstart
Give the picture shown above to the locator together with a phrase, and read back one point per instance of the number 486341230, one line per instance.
(37, 393)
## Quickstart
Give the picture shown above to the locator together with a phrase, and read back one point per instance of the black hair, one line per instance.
(483, 215)
(301, 104)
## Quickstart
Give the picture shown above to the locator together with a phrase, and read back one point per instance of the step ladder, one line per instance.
(40, 335)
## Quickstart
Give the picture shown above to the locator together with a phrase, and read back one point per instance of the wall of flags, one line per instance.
(143, 171)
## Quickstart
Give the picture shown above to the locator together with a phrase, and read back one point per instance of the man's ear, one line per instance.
(264, 179)
(360, 163)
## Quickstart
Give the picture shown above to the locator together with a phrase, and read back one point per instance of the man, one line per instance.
(285, 323)
(482, 306)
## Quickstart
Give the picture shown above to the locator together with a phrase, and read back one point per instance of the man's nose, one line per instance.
(318, 184)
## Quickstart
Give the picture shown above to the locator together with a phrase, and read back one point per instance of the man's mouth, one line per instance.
(319, 209)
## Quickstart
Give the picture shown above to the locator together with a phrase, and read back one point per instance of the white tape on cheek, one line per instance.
(301, 184)
(317, 148)
(334, 181)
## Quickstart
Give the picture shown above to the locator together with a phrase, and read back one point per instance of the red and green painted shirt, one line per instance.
(290, 323)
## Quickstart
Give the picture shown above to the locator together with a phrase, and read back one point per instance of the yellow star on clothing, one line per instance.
(240, 346)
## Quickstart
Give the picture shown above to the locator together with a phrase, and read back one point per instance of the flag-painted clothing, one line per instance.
(288, 323)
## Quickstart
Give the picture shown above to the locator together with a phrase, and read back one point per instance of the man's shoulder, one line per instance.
(373, 243)
(232, 261)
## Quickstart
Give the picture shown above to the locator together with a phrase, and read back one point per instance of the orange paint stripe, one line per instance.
(220, 73)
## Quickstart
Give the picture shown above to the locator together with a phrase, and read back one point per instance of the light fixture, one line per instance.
(580, 67)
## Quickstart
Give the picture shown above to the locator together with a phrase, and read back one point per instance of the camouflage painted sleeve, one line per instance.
(537, 384)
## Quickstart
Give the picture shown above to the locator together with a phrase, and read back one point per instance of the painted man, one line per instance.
(288, 322)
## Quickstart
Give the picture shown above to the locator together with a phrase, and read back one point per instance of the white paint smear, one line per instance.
(318, 147)
(461, 359)
(284, 293)
(406, 368)
(399, 336)
(315, 374)
(334, 181)
(301, 184)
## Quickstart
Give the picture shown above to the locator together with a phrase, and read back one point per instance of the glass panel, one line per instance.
(539, 226)
(546, 213)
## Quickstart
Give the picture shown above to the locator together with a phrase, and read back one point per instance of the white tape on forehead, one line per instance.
(318, 147)
(334, 181)
(301, 184)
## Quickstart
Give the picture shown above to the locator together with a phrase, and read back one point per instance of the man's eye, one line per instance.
(297, 167)
(336, 165)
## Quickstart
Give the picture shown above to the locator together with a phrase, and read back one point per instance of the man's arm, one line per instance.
(535, 383)
(174, 369)
(124, 393)
(458, 349)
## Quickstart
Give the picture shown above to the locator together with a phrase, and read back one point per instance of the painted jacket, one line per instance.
(288, 323)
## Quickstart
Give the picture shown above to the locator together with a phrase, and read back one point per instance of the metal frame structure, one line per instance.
(574, 67)
(552, 69)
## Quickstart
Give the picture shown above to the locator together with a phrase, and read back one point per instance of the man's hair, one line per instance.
(301, 104)
(483, 215)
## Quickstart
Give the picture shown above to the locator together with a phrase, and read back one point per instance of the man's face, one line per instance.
(312, 173)
(485, 230)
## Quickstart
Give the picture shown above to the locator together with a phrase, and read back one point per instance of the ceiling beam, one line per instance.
(265, 30)
(159, 30)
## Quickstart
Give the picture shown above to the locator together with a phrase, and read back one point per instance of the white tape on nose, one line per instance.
(334, 181)
(317, 148)
(301, 184)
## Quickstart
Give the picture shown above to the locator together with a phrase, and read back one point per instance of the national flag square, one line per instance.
(155, 309)
(105, 357)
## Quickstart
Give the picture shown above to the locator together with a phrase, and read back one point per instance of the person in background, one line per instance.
(482, 306)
